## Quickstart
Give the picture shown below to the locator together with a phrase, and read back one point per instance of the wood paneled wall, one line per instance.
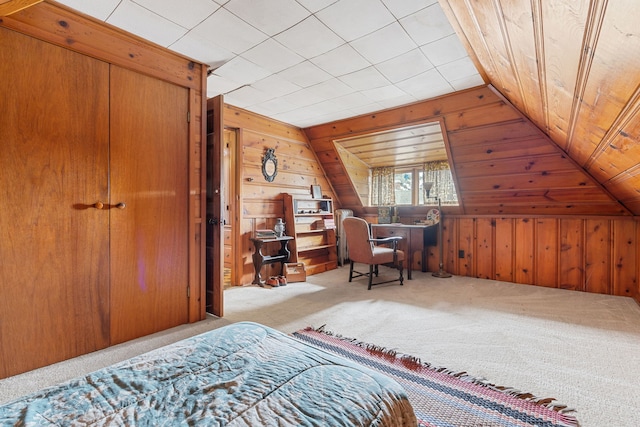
(528, 213)
(358, 177)
(585, 253)
(261, 202)
(590, 254)
(502, 163)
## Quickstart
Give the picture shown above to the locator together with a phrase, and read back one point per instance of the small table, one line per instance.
(260, 259)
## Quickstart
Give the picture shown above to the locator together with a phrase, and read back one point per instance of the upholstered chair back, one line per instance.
(358, 238)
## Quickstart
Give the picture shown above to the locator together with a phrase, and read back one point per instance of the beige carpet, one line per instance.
(582, 349)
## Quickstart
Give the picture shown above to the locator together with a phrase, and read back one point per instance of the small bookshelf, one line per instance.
(310, 220)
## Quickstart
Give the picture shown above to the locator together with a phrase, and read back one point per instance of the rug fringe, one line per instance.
(413, 362)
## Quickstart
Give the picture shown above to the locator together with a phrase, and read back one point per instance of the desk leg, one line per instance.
(258, 259)
(409, 263)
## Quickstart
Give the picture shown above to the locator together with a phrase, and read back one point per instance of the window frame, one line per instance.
(417, 176)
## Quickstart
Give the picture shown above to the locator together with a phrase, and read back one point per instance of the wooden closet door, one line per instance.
(54, 277)
(149, 235)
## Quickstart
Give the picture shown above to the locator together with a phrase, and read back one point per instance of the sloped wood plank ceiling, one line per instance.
(502, 162)
(555, 131)
(573, 68)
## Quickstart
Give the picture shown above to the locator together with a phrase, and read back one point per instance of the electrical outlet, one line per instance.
(461, 254)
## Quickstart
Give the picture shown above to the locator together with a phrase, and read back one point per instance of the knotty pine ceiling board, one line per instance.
(619, 150)
(404, 146)
(559, 61)
(573, 69)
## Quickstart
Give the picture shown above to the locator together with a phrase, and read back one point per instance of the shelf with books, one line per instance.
(310, 220)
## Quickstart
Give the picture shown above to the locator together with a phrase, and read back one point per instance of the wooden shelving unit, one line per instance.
(312, 224)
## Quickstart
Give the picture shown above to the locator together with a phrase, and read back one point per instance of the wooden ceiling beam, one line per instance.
(7, 7)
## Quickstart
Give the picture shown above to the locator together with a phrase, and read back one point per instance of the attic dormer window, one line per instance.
(387, 168)
(408, 186)
(413, 186)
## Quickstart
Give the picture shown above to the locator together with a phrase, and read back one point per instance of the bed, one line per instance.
(243, 374)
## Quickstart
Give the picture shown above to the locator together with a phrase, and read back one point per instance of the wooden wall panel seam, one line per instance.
(534, 250)
(628, 114)
(612, 261)
(458, 131)
(636, 289)
(595, 19)
(514, 266)
(509, 50)
(538, 34)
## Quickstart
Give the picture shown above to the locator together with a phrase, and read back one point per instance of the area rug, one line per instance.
(442, 398)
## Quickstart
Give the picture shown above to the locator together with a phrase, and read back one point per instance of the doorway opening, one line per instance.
(229, 197)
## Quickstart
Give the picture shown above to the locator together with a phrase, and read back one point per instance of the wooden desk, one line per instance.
(260, 259)
(415, 238)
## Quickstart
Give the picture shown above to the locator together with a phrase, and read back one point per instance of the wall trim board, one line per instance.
(63, 26)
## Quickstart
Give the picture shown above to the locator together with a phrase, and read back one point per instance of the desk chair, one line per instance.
(363, 249)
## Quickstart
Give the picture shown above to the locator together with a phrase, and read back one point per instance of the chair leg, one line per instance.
(351, 272)
(401, 268)
(371, 275)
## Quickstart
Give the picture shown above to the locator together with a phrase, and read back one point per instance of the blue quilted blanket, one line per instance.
(244, 374)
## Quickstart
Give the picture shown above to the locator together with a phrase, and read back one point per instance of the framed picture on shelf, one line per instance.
(316, 192)
(384, 215)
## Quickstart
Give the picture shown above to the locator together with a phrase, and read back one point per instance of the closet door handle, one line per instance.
(121, 205)
(98, 205)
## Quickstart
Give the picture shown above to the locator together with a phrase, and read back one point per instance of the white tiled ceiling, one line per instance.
(305, 62)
